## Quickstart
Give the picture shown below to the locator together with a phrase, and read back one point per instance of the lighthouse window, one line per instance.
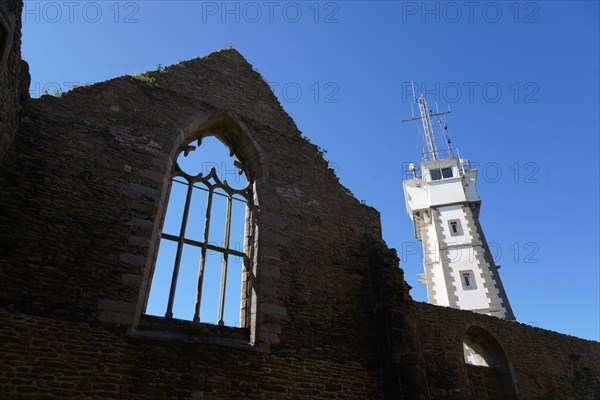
(436, 174)
(446, 173)
(466, 278)
(455, 227)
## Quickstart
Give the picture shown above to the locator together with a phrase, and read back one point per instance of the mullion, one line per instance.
(224, 264)
(203, 257)
(186, 210)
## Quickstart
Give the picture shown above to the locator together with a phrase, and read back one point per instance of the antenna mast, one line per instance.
(427, 125)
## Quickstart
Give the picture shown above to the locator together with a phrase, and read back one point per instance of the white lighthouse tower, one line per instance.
(442, 201)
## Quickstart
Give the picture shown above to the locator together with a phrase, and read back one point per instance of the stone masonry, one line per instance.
(14, 75)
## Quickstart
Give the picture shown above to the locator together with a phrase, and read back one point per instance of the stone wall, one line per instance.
(45, 358)
(14, 75)
(544, 364)
(83, 195)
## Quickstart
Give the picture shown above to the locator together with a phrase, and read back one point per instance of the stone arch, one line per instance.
(489, 370)
(232, 133)
(7, 26)
(236, 136)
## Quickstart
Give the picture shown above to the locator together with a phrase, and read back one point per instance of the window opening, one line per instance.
(436, 174)
(467, 280)
(205, 240)
(447, 172)
(454, 227)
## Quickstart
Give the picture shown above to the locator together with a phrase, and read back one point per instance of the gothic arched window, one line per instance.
(202, 268)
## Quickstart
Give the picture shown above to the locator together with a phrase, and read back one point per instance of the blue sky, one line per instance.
(522, 79)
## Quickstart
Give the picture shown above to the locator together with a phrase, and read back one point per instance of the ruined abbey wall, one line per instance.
(82, 199)
(543, 364)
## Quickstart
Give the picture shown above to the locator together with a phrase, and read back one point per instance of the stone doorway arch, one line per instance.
(489, 371)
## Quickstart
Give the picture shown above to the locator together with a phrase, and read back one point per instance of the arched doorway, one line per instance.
(488, 367)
